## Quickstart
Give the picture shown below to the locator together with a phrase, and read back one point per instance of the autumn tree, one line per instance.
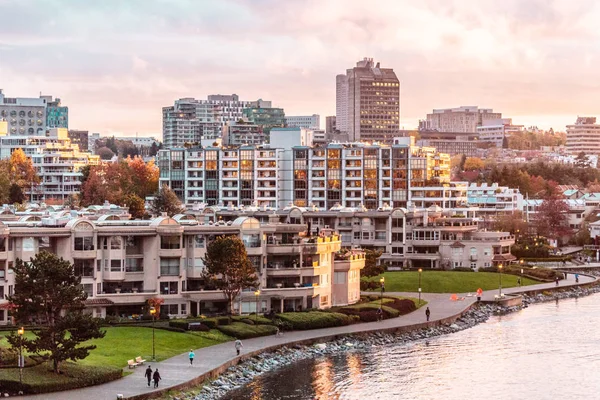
(228, 267)
(514, 223)
(551, 218)
(136, 205)
(105, 153)
(166, 201)
(22, 171)
(49, 294)
(473, 164)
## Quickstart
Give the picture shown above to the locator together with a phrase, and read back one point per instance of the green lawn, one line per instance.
(124, 343)
(447, 281)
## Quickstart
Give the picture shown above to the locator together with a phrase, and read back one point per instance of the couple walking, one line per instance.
(153, 376)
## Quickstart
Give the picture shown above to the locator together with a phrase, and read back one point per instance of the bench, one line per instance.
(139, 361)
(132, 364)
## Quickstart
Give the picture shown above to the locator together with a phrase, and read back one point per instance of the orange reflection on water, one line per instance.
(322, 380)
(355, 368)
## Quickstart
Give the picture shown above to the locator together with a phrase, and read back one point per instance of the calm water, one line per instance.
(547, 351)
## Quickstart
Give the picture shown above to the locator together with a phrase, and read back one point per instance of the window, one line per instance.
(134, 265)
(168, 288)
(115, 243)
(324, 300)
(357, 235)
(169, 242)
(183, 307)
(473, 265)
(115, 266)
(324, 279)
(98, 265)
(169, 266)
(83, 267)
(340, 278)
(397, 236)
(84, 243)
(199, 242)
(397, 250)
(88, 288)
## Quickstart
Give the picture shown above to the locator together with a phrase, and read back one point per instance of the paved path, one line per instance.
(176, 370)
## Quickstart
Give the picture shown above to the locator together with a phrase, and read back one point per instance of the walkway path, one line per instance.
(176, 370)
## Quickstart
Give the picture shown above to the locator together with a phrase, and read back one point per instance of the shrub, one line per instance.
(462, 269)
(315, 319)
(247, 321)
(241, 330)
(183, 325)
(223, 321)
(210, 322)
(8, 356)
(403, 306)
(368, 285)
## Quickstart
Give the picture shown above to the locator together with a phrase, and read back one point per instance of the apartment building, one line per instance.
(294, 171)
(32, 115)
(583, 136)
(460, 119)
(368, 102)
(123, 263)
(304, 121)
(492, 200)
(243, 133)
(407, 238)
(57, 162)
(494, 131)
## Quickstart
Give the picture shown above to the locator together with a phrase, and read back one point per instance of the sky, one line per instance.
(116, 63)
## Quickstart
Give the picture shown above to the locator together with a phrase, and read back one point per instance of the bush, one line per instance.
(462, 269)
(315, 319)
(403, 306)
(368, 285)
(247, 321)
(198, 327)
(8, 356)
(241, 330)
(211, 323)
(183, 325)
(223, 321)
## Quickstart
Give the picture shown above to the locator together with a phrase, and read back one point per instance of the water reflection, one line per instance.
(547, 351)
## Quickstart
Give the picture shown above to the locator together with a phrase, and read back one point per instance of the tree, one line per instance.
(136, 205)
(581, 161)
(4, 182)
(22, 171)
(153, 149)
(49, 294)
(371, 268)
(72, 201)
(228, 267)
(166, 201)
(16, 194)
(473, 164)
(105, 153)
(551, 218)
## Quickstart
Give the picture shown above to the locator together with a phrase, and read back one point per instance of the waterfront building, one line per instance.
(368, 102)
(460, 119)
(123, 262)
(583, 136)
(292, 169)
(57, 161)
(304, 121)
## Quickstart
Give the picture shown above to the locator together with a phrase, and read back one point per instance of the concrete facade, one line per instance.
(460, 119)
(583, 136)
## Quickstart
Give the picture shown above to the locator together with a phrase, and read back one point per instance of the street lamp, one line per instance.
(257, 293)
(21, 331)
(153, 314)
(420, 270)
(521, 281)
(499, 280)
(382, 283)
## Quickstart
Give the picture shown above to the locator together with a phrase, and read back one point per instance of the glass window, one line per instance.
(115, 243)
(169, 266)
(84, 243)
(115, 266)
(199, 242)
(169, 242)
(168, 288)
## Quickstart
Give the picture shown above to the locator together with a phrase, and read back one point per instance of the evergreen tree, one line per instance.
(166, 201)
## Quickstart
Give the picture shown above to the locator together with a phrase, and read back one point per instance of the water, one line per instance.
(547, 351)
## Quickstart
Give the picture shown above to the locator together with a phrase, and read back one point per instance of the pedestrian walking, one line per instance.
(192, 355)
(427, 313)
(238, 346)
(576, 278)
(557, 281)
(156, 377)
(379, 314)
(149, 374)
(519, 281)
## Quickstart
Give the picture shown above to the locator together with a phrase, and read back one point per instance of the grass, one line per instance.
(124, 343)
(447, 281)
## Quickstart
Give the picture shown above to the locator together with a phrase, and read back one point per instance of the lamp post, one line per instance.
(420, 270)
(153, 314)
(521, 281)
(257, 293)
(21, 331)
(499, 281)
(382, 283)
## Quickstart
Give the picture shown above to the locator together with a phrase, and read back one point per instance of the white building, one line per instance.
(583, 136)
(460, 119)
(495, 130)
(304, 121)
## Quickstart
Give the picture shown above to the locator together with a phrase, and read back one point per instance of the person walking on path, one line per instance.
(427, 313)
(576, 278)
(238, 346)
(557, 281)
(379, 314)
(192, 355)
(149, 374)
(156, 377)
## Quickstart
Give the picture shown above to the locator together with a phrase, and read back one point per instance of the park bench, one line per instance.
(140, 361)
(132, 364)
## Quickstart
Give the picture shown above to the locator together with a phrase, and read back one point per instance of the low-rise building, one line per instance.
(123, 263)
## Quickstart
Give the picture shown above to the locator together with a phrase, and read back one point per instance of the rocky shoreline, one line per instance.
(243, 373)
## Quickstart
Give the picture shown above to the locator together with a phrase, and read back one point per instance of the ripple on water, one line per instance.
(548, 351)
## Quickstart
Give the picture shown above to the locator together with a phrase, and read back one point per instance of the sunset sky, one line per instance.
(116, 63)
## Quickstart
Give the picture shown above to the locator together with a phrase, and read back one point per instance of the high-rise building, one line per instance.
(25, 115)
(368, 102)
(304, 121)
(191, 121)
(583, 136)
(57, 115)
(261, 113)
(330, 124)
(460, 119)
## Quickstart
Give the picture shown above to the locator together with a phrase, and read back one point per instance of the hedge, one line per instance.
(314, 320)
(241, 330)
(368, 312)
(539, 273)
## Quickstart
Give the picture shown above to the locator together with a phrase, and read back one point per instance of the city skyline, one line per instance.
(116, 67)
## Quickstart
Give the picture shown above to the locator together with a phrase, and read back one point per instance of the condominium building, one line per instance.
(123, 263)
(261, 113)
(407, 238)
(583, 136)
(243, 133)
(368, 102)
(492, 200)
(32, 115)
(80, 138)
(57, 115)
(461, 119)
(57, 162)
(304, 121)
(292, 170)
